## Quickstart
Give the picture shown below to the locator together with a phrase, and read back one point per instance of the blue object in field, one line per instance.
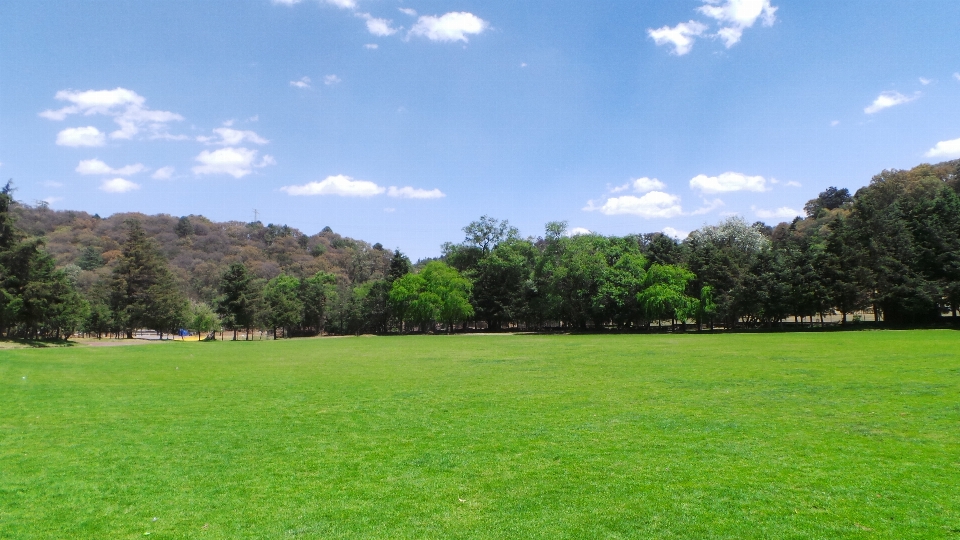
(184, 333)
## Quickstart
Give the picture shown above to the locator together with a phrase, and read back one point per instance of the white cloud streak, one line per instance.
(95, 166)
(232, 137)
(780, 213)
(81, 136)
(453, 26)
(655, 204)
(118, 185)
(945, 149)
(331, 80)
(125, 106)
(163, 173)
(889, 99)
(237, 162)
(303, 82)
(728, 182)
(341, 185)
(681, 36)
(738, 15)
(408, 192)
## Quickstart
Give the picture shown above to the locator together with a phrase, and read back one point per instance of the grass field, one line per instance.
(804, 435)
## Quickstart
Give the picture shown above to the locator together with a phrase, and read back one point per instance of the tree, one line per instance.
(144, 292)
(184, 228)
(437, 293)
(284, 303)
(664, 294)
(202, 319)
(316, 293)
(487, 232)
(829, 199)
(237, 304)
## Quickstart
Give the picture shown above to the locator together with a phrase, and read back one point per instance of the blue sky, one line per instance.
(401, 121)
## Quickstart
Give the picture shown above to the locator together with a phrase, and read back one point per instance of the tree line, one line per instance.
(893, 248)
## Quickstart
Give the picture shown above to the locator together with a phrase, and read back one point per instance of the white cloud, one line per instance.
(371, 46)
(331, 80)
(655, 204)
(95, 166)
(738, 15)
(304, 82)
(578, 231)
(643, 185)
(791, 183)
(408, 192)
(680, 36)
(378, 27)
(336, 185)
(945, 149)
(51, 200)
(53, 184)
(708, 206)
(81, 136)
(286, 2)
(925, 81)
(163, 173)
(834, 123)
(728, 182)
(237, 162)
(343, 4)
(675, 233)
(956, 76)
(125, 106)
(118, 185)
(453, 26)
(780, 213)
(408, 11)
(232, 137)
(889, 99)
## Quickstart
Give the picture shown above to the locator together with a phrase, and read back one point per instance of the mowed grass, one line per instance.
(819, 435)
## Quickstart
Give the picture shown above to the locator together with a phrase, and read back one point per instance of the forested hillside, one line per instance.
(892, 248)
(198, 249)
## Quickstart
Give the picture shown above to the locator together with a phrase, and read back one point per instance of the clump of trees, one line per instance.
(892, 248)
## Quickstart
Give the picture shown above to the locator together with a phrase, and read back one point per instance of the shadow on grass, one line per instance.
(34, 343)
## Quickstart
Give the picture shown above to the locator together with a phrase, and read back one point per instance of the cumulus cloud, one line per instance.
(126, 107)
(232, 137)
(680, 36)
(791, 183)
(641, 185)
(728, 182)
(342, 185)
(408, 11)
(408, 192)
(118, 185)
(780, 213)
(331, 80)
(371, 46)
(708, 206)
(888, 99)
(95, 166)
(578, 231)
(453, 26)
(378, 27)
(163, 173)
(738, 15)
(303, 82)
(675, 233)
(81, 136)
(343, 4)
(237, 162)
(945, 149)
(655, 204)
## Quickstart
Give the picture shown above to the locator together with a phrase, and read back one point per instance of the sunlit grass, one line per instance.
(833, 435)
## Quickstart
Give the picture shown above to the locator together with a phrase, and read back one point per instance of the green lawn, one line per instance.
(804, 435)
